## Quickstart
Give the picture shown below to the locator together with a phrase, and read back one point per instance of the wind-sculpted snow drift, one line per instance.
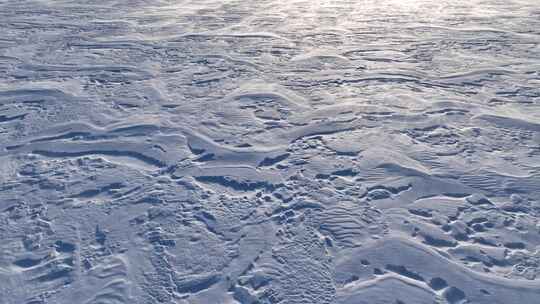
(228, 151)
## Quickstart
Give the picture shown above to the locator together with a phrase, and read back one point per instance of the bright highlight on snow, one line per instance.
(284, 152)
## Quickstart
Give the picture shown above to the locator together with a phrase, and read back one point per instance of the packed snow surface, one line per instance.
(270, 151)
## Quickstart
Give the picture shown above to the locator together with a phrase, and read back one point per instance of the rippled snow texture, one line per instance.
(363, 152)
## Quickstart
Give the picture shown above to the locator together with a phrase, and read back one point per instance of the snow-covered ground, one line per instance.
(270, 151)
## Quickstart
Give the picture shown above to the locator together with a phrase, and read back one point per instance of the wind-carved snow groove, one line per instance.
(236, 185)
(84, 140)
(139, 156)
(239, 178)
(210, 151)
(62, 150)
